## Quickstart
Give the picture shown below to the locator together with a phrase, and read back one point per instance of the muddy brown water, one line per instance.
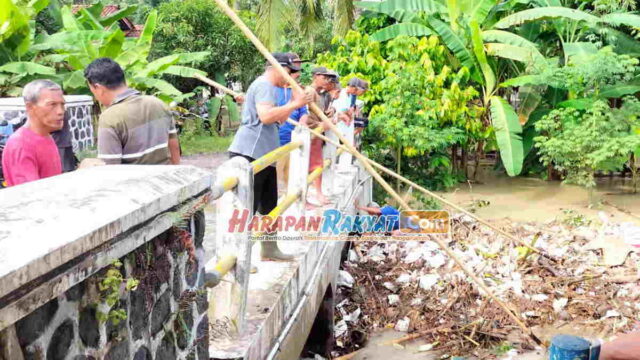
(532, 199)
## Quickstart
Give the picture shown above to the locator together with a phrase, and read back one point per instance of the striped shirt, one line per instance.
(135, 129)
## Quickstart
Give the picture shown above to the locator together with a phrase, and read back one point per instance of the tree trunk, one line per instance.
(634, 172)
(454, 153)
(399, 167)
(464, 161)
(479, 150)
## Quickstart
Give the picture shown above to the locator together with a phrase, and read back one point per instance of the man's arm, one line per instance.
(269, 114)
(22, 167)
(625, 347)
(370, 210)
(174, 144)
(174, 150)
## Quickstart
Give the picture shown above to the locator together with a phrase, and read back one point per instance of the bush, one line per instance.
(197, 25)
(420, 105)
(579, 143)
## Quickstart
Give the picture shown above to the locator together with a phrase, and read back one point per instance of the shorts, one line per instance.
(315, 156)
(265, 188)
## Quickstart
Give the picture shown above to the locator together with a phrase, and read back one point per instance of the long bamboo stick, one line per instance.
(216, 85)
(313, 107)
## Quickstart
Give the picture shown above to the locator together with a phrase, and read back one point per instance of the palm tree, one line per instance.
(276, 16)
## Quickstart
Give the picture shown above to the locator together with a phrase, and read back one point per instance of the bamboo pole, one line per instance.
(216, 85)
(313, 107)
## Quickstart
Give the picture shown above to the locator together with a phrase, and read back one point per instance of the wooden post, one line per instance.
(299, 170)
(229, 299)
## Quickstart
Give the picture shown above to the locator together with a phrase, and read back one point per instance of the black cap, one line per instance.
(287, 59)
(321, 70)
(359, 83)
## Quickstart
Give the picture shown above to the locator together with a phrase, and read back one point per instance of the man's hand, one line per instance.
(345, 117)
(624, 347)
(91, 162)
(300, 99)
(239, 99)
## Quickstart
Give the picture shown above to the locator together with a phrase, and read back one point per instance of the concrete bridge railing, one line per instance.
(104, 263)
(270, 314)
(108, 263)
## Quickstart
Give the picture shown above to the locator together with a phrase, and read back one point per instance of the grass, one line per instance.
(201, 144)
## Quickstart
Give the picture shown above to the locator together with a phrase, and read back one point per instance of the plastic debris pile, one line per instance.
(414, 287)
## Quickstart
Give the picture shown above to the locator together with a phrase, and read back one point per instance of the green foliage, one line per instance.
(109, 287)
(85, 37)
(574, 219)
(198, 25)
(579, 143)
(420, 106)
(357, 55)
(589, 77)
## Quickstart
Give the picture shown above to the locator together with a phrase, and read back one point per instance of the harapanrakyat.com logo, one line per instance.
(334, 224)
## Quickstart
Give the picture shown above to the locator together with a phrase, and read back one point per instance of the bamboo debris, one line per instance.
(451, 311)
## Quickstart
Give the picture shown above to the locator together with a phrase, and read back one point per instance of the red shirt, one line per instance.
(29, 157)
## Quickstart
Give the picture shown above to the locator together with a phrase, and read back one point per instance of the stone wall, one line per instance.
(78, 112)
(165, 314)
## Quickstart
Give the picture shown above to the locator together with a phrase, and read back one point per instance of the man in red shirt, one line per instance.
(31, 153)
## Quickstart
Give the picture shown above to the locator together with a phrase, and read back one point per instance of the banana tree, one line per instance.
(576, 29)
(84, 38)
(458, 24)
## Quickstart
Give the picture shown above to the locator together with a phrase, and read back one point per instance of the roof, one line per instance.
(127, 26)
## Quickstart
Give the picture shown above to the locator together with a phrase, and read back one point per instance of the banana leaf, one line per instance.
(508, 135)
(542, 13)
(478, 49)
(408, 29)
(27, 68)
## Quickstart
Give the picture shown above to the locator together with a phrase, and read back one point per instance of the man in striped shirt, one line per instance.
(134, 128)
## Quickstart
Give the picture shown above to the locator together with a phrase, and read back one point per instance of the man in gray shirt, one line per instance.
(258, 135)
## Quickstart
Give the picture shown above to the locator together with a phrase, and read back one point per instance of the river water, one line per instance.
(530, 199)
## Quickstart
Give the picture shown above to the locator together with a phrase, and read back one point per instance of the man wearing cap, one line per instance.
(284, 96)
(324, 80)
(345, 105)
(258, 135)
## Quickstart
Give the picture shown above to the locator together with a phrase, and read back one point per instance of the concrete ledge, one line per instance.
(46, 223)
(278, 288)
(274, 292)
